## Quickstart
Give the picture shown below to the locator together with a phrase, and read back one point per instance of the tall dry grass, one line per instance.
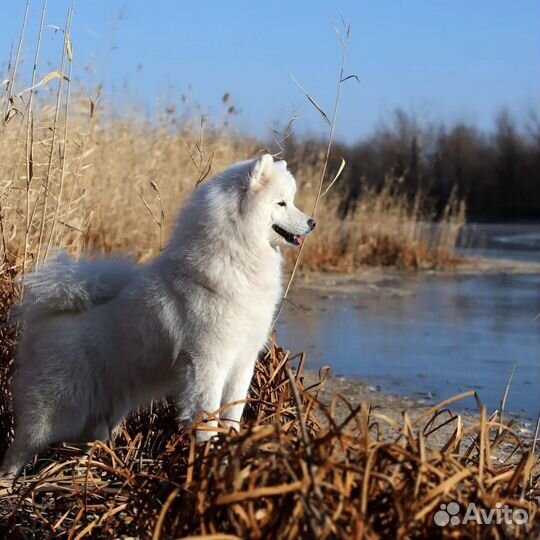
(387, 228)
(104, 186)
(76, 175)
(99, 185)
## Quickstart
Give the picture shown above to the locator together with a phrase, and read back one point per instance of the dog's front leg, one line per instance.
(200, 384)
(236, 389)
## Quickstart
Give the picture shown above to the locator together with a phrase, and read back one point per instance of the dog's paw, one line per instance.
(203, 436)
(8, 476)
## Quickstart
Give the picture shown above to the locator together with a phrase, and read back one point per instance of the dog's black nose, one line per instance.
(311, 223)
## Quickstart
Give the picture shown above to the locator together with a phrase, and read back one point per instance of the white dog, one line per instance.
(102, 338)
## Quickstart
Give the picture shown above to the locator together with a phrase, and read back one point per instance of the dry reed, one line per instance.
(387, 229)
(70, 167)
(117, 187)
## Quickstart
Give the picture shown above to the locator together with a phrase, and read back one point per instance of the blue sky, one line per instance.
(452, 60)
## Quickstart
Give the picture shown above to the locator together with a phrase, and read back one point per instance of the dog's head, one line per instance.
(269, 200)
(251, 202)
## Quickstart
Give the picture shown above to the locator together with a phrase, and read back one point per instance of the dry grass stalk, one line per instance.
(332, 126)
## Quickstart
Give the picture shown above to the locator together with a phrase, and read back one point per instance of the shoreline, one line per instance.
(469, 266)
(390, 407)
(386, 282)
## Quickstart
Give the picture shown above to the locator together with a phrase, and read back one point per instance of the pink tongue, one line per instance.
(300, 240)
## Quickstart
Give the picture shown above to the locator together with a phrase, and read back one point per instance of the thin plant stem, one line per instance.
(11, 80)
(48, 177)
(329, 144)
(30, 137)
(67, 46)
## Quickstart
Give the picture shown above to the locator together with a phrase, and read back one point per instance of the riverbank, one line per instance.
(392, 408)
(368, 278)
(428, 335)
(388, 282)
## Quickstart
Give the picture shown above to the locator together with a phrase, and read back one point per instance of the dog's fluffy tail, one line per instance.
(66, 285)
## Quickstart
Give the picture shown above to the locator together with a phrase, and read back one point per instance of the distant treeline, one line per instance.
(498, 173)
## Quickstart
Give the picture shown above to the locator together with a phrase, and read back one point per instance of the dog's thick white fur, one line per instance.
(104, 337)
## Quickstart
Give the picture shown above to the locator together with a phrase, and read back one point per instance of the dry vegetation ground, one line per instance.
(296, 470)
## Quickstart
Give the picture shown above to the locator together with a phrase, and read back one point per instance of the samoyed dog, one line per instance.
(101, 338)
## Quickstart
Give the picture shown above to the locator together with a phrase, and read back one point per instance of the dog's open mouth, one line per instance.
(294, 239)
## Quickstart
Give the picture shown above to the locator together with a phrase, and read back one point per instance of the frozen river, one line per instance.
(433, 335)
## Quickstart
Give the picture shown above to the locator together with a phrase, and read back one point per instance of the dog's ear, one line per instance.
(258, 176)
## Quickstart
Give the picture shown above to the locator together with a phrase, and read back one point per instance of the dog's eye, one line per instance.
(282, 203)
